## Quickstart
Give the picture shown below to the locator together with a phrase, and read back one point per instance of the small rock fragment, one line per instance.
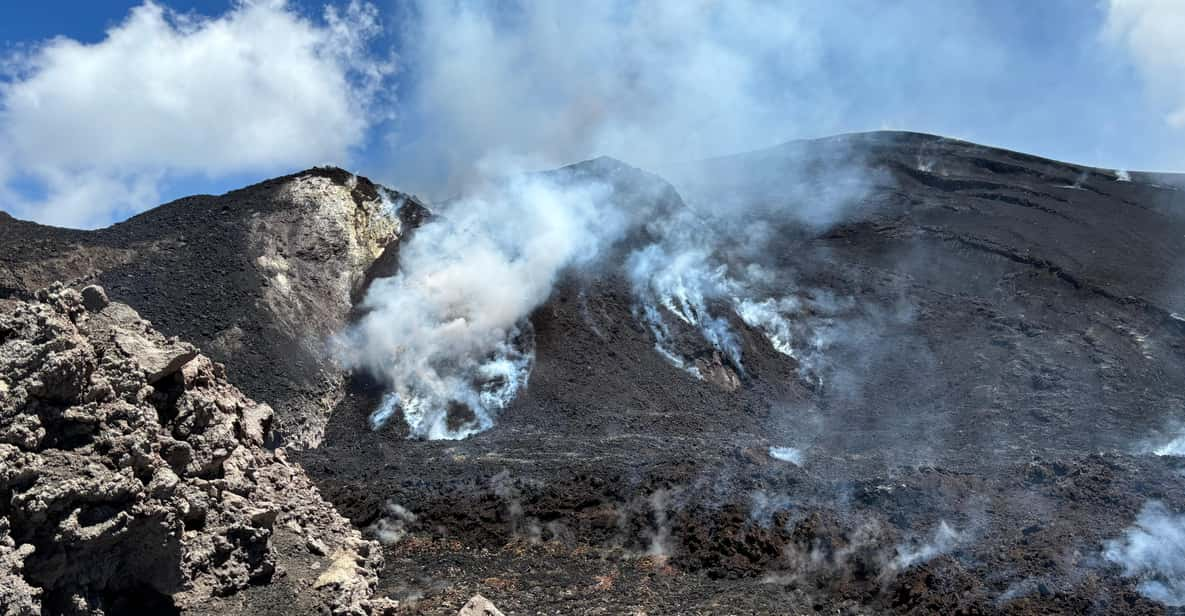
(479, 606)
(94, 298)
(158, 360)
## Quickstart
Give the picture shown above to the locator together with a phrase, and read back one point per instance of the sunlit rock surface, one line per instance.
(134, 478)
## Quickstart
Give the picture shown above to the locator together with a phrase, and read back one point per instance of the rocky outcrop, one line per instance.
(260, 278)
(314, 259)
(134, 477)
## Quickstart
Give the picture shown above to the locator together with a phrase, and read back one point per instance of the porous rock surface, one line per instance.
(133, 479)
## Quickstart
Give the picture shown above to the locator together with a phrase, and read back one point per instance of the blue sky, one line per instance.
(110, 107)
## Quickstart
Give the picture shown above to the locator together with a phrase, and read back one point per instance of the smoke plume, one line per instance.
(1175, 447)
(641, 81)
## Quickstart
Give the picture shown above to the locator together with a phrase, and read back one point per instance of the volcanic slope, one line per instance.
(981, 348)
(984, 342)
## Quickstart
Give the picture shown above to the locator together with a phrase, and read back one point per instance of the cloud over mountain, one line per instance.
(95, 128)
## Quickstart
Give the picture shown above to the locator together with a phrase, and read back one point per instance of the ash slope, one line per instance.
(1003, 342)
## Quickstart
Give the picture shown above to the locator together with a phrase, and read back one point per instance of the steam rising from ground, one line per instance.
(655, 82)
(943, 540)
(448, 331)
(393, 525)
(792, 455)
(1153, 550)
(1175, 447)
(680, 284)
(700, 274)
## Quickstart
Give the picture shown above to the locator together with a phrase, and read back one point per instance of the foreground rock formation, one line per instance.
(133, 478)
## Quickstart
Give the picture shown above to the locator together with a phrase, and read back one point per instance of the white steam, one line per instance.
(448, 333)
(1153, 550)
(943, 540)
(682, 282)
(562, 81)
(653, 82)
(1175, 447)
(792, 455)
(391, 528)
(1168, 442)
(794, 328)
(660, 535)
(682, 277)
(502, 88)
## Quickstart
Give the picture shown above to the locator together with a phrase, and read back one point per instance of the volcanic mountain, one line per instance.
(935, 377)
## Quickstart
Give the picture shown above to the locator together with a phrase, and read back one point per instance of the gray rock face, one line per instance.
(133, 478)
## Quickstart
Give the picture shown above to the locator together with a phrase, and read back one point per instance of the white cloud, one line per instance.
(1151, 32)
(258, 88)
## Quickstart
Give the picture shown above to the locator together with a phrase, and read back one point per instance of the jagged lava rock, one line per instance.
(134, 477)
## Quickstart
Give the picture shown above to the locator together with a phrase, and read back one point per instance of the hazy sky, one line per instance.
(110, 107)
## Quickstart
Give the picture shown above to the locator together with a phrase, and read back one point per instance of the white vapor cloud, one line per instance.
(1150, 31)
(943, 540)
(542, 84)
(1175, 447)
(496, 89)
(259, 88)
(1153, 550)
(449, 328)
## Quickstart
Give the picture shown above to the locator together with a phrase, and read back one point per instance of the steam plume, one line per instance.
(449, 335)
(1153, 550)
(943, 540)
(448, 330)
